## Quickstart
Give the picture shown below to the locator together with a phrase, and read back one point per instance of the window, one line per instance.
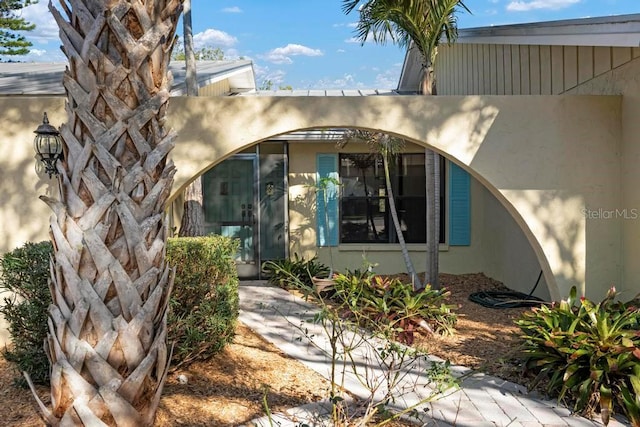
(365, 216)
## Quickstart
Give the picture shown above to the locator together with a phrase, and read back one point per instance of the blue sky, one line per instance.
(308, 44)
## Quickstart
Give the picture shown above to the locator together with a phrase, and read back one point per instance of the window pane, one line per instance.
(360, 174)
(363, 221)
(366, 217)
(411, 212)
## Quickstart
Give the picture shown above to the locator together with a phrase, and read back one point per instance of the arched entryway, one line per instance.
(510, 145)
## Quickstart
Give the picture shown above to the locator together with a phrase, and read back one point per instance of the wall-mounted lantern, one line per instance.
(48, 146)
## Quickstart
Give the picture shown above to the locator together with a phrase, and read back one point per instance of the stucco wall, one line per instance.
(625, 81)
(545, 159)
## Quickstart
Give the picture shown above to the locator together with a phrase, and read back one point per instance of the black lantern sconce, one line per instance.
(48, 146)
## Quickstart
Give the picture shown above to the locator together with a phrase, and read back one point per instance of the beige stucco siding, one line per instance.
(625, 79)
(483, 69)
(537, 155)
(545, 159)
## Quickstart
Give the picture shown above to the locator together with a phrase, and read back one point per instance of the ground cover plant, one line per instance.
(587, 353)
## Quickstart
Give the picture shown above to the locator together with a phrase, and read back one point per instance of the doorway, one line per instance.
(245, 198)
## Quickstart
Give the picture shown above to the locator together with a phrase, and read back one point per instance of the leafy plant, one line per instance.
(294, 273)
(589, 353)
(378, 299)
(24, 280)
(204, 302)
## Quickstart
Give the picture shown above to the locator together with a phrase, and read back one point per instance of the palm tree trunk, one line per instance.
(415, 280)
(432, 184)
(192, 223)
(110, 283)
(432, 171)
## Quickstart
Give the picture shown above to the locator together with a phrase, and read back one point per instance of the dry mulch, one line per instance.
(228, 389)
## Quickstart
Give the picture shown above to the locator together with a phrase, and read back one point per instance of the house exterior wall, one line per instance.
(497, 69)
(625, 80)
(215, 89)
(586, 70)
(545, 159)
(536, 155)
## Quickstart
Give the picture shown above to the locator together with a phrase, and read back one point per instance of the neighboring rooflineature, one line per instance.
(45, 79)
(609, 31)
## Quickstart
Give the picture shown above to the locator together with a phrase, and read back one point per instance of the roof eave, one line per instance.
(616, 31)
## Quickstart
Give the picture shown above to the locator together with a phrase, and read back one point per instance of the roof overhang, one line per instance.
(45, 79)
(615, 31)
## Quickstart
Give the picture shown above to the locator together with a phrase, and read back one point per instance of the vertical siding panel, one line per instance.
(585, 63)
(620, 55)
(557, 69)
(450, 71)
(534, 70)
(475, 69)
(515, 69)
(471, 68)
(465, 67)
(601, 60)
(493, 72)
(545, 70)
(459, 64)
(525, 72)
(570, 67)
(508, 85)
(500, 70)
(443, 74)
(486, 75)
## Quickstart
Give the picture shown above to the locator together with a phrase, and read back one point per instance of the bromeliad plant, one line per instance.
(589, 353)
(374, 299)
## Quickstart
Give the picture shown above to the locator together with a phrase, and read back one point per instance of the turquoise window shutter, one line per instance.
(327, 232)
(459, 206)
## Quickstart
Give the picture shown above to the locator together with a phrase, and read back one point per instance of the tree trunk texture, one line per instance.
(432, 173)
(110, 283)
(432, 218)
(192, 223)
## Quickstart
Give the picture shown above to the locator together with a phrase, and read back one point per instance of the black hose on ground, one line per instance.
(507, 299)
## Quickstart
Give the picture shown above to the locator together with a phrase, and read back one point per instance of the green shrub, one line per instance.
(374, 299)
(294, 273)
(589, 353)
(24, 277)
(204, 303)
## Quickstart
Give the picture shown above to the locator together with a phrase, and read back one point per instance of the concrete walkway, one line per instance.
(479, 401)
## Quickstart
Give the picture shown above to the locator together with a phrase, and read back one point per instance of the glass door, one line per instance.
(230, 208)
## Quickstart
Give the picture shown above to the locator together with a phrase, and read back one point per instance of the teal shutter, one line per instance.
(459, 206)
(327, 234)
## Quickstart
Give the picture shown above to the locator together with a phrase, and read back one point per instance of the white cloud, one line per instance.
(263, 74)
(234, 9)
(524, 6)
(214, 38)
(282, 55)
(46, 28)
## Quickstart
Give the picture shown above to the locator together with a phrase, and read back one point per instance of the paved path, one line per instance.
(480, 401)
